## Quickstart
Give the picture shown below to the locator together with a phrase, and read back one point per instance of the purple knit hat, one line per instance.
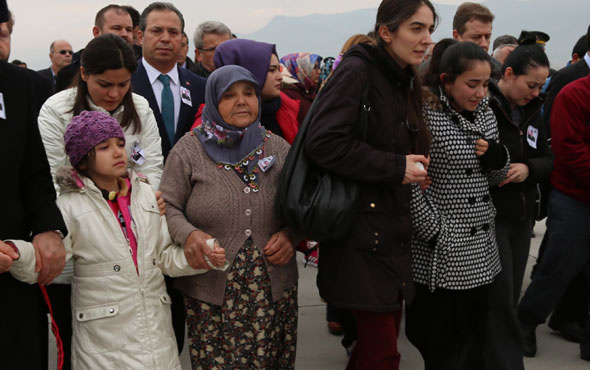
(88, 129)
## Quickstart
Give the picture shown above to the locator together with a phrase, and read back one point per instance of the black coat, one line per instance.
(517, 201)
(199, 70)
(370, 268)
(49, 76)
(28, 208)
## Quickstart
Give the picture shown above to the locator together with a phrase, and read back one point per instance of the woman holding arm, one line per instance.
(220, 182)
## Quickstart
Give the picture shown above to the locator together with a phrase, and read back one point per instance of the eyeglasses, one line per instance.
(212, 48)
(64, 52)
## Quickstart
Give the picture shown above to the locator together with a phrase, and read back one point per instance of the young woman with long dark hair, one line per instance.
(369, 270)
(455, 256)
(104, 84)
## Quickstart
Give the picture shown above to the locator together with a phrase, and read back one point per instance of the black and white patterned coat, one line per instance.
(454, 245)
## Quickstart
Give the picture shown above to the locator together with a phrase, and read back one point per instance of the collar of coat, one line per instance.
(499, 102)
(380, 59)
(69, 180)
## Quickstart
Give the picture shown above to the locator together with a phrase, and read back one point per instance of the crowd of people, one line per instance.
(142, 192)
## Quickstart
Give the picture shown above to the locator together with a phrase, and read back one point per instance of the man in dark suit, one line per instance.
(161, 35)
(174, 94)
(563, 77)
(208, 36)
(183, 60)
(29, 212)
(60, 54)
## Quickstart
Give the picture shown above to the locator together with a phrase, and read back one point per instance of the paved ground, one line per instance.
(318, 350)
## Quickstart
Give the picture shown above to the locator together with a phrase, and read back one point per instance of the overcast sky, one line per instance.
(39, 22)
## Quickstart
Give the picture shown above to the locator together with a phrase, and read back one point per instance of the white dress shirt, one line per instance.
(158, 86)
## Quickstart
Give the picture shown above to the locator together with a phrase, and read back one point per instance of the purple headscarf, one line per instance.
(252, 55)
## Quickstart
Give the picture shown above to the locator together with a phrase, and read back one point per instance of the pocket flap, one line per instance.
(97, 312)
(150, 207)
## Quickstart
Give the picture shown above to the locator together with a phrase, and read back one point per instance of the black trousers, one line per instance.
(503, 348)
(566, 256)
(61, 304)
(574, 304)
(23, 325)
(448, 327)
(177, 308)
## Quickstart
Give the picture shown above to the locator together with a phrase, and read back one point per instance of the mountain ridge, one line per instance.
(325, 34)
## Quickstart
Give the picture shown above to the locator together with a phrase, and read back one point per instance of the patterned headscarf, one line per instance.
(327, 68)
(301, 66)
(226, 144)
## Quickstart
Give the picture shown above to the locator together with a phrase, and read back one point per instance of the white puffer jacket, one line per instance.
(121, 316)
(56, 114)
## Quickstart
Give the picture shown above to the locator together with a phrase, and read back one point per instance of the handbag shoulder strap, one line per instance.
(363, 122)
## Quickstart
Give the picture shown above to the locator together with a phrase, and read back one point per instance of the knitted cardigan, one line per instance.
(202, 195)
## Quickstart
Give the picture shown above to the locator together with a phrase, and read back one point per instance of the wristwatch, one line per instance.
(61, 235)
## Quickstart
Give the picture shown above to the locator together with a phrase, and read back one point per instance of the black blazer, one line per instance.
(30, 196)
(48, 75)
(195, 84)
(561, 78)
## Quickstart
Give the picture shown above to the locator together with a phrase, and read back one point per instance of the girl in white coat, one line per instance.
(104, 85)
(121, 247)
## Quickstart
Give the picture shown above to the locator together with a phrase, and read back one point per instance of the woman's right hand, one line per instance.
(414, 174)
(195, 248)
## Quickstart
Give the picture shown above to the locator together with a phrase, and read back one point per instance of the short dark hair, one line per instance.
(504, 40)
(471, 11)
(159, 6)
(99, 19)
(133, 13)
(102, 53)
(10, 22)
(525, 57)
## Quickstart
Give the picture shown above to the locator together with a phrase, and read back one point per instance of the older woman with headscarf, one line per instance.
(305, 68)
(220, 182)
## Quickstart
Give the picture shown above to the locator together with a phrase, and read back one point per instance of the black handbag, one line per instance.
(313, 202)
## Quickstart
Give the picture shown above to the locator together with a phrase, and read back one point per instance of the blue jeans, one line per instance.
(566, 256)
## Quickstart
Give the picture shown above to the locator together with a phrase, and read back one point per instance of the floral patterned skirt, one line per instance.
(249, 330)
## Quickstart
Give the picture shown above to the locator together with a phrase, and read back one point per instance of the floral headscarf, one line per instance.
(301, 66)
